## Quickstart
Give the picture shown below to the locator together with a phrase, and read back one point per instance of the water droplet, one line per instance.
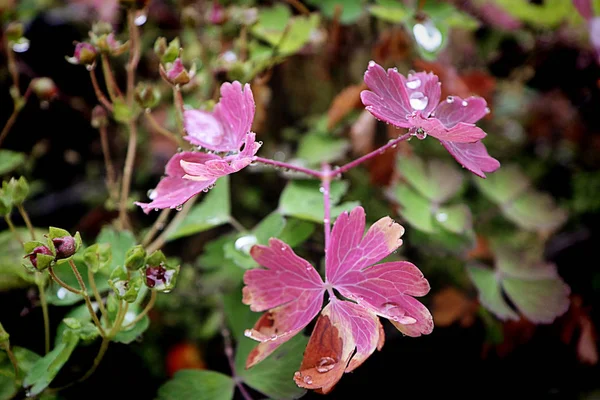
(308, 380)
(371, 64)
(297, 374)
(89, 67)
(418, 100)
(326, 364)
(21, 47)
(322, 189)
(427, 35)
(273, 337)
(248, 333)
(420, 133)
(465, 103)
(326, 220)
(450, 99)
(245, 243)
(441, 217)
(61, 293)
(152, 194)
(140, 18)
(282, 248)
(309, 268)
(487, 110)
(414, 84)
(179, 207)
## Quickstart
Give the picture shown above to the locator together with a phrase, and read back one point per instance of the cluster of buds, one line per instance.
(171, 67)
(59, 246)
(102, 40)
(13, 193)
(158, 274)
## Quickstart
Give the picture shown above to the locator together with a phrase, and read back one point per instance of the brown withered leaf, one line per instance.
(262, 98)
(362, 134)
(451, 305)
(344, 103)
(392, 46)
(481, 251)
(578, 324)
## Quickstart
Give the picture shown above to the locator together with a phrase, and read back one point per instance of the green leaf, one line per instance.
(296, 231)
(316, 148)
(390, 11)
(14, 274)
(120, 242)
(25, 360)
(415, 209)
(274, 21)
(132, 333)
(535, 211)
(197, 385)
(490, 293)
(351, 9)
(454, 218)
(47, 367)
(503, 185)
(540, 300)
(303, 200)
(273, 376)
(10, 160)
(548, 13)
(219, 272)
(436, 180)
(214, 210)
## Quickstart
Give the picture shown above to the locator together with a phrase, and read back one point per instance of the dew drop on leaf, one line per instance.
(450, 99)
(308, 380)
(465, 103)
(418, 100)
(179, 207)
(325, 364)
(427, 35)
(414, 84)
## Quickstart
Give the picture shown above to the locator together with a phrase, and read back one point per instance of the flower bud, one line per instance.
(216, 14)
(14, 31)
(123, 287)
(169, 53)
(16, 190)
(109, 44)
(97, 256)
(146, 95)
(40, 262)
(176, 74)
(101, 28)
(160, 46)
(65, 247)
(85, 54)
(161, 277)
(135, 258)
(44, 88)
(99, 117)
(5, 204)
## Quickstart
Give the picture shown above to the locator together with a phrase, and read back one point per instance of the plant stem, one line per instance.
(279, 164)
(17, 107)
(145, 311)
(101, 98)
(299, 6)
(97, 360)
(127, 172)
(179, 107)
(162, 238)
(163, 131)
(109, 79)
(158, 225)
(56, 279)
(13, 360)
(134, 55)
(12, 228)
(326, 186)
(27, 220)
(111, 184)
(97, 295)
(86, 297)
(44, 304)
(229, 353)
(237, 225)
(374, 153)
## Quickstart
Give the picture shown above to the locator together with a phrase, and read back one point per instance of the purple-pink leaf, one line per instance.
(459, 133)
(226, 127)
(472, 156)
(174, 190)
(454, 110)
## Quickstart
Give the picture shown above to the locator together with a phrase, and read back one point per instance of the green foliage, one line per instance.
(197, 385)
(316, 148)
(119, 241)
(351, 10)
(14, 274)
(9, 384)
(10, 160)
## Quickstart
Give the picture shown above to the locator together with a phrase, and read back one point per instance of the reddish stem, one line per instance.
(374, 153)
(307, 171)
(325, 188)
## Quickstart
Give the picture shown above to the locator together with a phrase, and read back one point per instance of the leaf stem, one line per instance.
(97, 359)
(86, 297)
(163, 131)
(97, 295)
(158, 225)
(229, 353)
(101, 98)
(134, 55)
(12, 228)
(127, 172)
(279, 164)
(25, 217)
(111, 184)
(44, 304)
(237, 225)
(179, 108)
(13, 360)
(109, 79)
(145, 311)
(17, 107)
(374, 153)
(326, 189)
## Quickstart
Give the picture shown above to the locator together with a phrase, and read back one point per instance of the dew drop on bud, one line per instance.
(152, 194)
(140, 18)
(179, 207)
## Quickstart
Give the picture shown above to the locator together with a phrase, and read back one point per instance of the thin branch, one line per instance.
(145, 311)
(237, 225)
(12, 228)
(13, 117)
(62, 283)
(44, 304)
(101, 98)
(134, 55)
(86, 297)
(374, 153)
(163, 131)
(111, 184)
(301, 8)
(158, 225)
(109, 78)
(279, 164)
(162, 238)
(97, 295)
(25, 217)
(230, 359)
(326, 185)
(127, 173)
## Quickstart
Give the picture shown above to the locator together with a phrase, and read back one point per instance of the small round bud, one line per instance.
(216, 14)
(160, 277)
(101, 28)
(38, 250)
(44, 88)
(135, 258)
(146, 95)
(85, 54)
(99, 117)
(160, 46)
(65, 246)
(175, 73)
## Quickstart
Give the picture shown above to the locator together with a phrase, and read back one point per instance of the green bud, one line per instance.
(14, 31)
(101, 28)
(156, 258)
(72, 323)
(16, 189)
(135, 258)
(146, 95)
(172, 51)
(160, 47)
(123, 287)
(44, 88)
(97, 256)
(4, 336)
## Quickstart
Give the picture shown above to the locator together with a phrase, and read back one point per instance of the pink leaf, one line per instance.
(386, 289)
(472, 156)
(289, 286)
(350, 251)
(230, 121)
(342, 328)
(218, 167)
(460, 133)
(427, 85)
(173, 190)
(454, 110)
